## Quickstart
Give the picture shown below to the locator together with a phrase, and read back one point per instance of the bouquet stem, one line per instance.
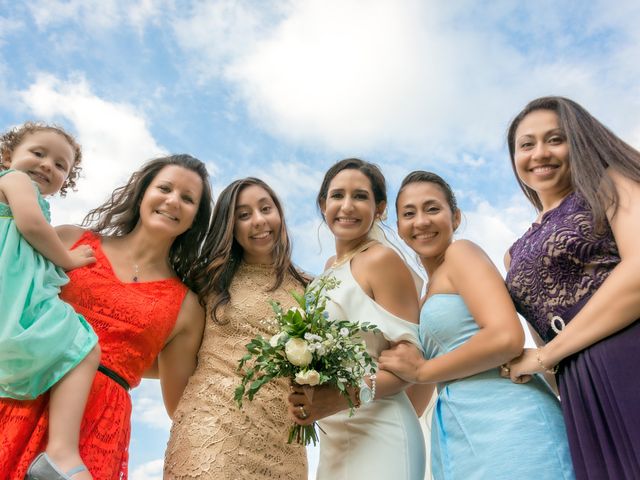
(303, 434)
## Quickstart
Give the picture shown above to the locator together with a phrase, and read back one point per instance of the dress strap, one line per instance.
(352, 253)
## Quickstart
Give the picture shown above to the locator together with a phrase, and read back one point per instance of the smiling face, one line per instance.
(46, 156)
(541, 157)
(257, 224)
(425, 220)
(350, 207)
(171, 200)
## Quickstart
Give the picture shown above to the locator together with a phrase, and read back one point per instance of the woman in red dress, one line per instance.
(139, 298)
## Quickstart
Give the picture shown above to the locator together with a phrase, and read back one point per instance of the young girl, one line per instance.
(383, 439)
(44, 343)
(574, 276)
(249, 263)
(483, 425)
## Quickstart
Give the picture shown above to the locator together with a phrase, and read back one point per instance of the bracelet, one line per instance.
(373, 386)
(356, 401)
(553, 370)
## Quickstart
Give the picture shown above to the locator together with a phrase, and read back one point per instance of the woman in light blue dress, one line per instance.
(484, 426)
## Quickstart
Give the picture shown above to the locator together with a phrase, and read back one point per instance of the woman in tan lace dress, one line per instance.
(249, 263)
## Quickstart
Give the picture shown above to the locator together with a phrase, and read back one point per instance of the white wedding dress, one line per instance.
(383, 440)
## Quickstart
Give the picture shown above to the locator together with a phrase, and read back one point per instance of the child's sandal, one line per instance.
(43, 468)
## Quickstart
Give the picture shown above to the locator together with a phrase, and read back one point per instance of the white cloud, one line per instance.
(218, 31)
(148, 471)
(148, 407)
(115, 139)
(407, 75)
(495, 227)
(97, 14)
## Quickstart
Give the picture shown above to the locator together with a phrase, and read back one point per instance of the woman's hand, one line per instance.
(310, 404)
(521, 368)
(404, 360)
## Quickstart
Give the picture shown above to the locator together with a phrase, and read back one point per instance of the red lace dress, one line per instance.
(133, 321)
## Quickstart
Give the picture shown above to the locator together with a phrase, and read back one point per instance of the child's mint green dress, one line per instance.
(41, 337)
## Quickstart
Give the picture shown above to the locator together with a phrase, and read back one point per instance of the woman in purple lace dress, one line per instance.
(575, 276)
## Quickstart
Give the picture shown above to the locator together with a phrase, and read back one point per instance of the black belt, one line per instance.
(114, 376)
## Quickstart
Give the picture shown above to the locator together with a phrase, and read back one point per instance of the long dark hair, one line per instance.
(223, 253)
(370, 170)
(119, 215)
(592, 148)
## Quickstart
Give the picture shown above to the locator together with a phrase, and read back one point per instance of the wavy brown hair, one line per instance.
(119, 215)
(10, 140)
(223, 253)
(592, 149)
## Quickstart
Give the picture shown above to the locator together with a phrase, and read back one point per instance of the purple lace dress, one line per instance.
(555, 268)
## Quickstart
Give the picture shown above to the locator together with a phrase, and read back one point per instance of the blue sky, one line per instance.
(283, 89)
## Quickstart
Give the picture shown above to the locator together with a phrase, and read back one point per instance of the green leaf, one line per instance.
(299, 298)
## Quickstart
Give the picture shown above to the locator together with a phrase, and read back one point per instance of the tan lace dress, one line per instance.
(211, 438)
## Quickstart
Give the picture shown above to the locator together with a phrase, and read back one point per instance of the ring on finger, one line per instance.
(505, 368)
(302, 412)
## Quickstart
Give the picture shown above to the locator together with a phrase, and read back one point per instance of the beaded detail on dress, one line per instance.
(558, 263)
(211, 438)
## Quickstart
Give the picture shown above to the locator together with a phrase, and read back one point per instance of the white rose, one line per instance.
(310, 377)
(297, 351)
(276, 338)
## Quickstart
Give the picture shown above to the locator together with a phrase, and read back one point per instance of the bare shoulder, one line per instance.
(381, 256)
(191, 311)
(69, 234)
(15, 176)
(15, 181)
(461, 251)
(329, 262)
(626, 187)
(382, 265)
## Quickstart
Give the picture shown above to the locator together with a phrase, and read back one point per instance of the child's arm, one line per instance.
(23, 201)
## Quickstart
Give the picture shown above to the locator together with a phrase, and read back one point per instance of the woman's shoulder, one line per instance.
(462, 249)
(380, 256)
(70, 234)
(463, 253)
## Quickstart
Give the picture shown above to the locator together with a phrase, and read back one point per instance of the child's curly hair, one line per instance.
(10, 140)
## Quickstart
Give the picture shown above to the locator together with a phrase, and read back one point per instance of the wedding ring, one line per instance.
(303, 413)
(505, 369)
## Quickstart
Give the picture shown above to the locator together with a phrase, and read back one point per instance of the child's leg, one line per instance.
(66, 409)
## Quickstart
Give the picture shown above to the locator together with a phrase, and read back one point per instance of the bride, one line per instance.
(383, 439)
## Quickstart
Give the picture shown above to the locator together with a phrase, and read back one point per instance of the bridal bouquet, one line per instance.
(308, 348)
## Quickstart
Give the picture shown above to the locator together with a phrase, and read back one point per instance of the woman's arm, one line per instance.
(616, 304)
(31, 223)
(499, 339)
(179, 357)
(420, 396)
(384, 276)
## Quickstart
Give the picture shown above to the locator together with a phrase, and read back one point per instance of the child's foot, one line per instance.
(44, 467)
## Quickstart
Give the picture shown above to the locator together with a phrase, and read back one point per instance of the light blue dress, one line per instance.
(485, 426)
(41, 337)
